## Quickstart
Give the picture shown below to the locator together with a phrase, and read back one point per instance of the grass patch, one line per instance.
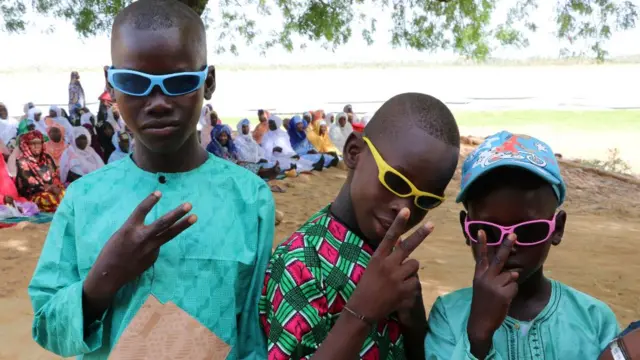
(610, 120)
(607, 120)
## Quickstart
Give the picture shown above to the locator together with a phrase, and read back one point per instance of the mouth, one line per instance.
(385, 224)
(160, 128)
(513, 268)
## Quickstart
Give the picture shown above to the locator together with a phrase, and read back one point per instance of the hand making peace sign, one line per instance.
(133, 249)
(389, 283)
(493, 291)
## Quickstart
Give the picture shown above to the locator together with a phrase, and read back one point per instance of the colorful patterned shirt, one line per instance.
(309, 280)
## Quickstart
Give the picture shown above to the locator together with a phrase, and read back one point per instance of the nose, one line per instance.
(399, 203)
(158, 103)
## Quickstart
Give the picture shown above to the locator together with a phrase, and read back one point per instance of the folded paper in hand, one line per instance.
(164, 331)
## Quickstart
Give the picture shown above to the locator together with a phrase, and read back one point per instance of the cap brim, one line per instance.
(536, 170)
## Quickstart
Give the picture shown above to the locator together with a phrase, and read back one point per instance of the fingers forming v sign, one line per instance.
(388, 280)
(493, 288)
(135, 246)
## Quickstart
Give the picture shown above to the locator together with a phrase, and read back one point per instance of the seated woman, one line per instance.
(248, 149)
(222, 146)
(121, 142)
(79, 159)
(340, 131)
(303, 147)
(56, 116)
(56, 144)
(105, 138)
(321, 141)
(277, 148)
(37, 174)
(11, 204)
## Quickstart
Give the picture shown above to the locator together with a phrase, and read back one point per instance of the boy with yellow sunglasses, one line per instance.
(341, 286)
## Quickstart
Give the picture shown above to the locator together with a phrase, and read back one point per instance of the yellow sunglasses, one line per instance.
(399, 185)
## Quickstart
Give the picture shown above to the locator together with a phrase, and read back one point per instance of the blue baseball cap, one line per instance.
(515, 150)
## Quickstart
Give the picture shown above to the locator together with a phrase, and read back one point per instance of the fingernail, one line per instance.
(157, 193)
(186, 207)
(192, 219)
(428, 226)
(404, 212)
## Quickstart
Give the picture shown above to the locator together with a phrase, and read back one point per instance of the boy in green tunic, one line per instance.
(128, 232)
(511, 189)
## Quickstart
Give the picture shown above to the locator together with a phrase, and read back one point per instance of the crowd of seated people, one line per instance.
(44, 153)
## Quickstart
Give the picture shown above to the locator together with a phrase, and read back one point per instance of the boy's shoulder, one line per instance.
(321, 227)
(459, 299)
(585, 301)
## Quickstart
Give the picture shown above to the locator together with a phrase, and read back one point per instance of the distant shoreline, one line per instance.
(531, 62)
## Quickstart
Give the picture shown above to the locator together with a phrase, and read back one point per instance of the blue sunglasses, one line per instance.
(137, 83)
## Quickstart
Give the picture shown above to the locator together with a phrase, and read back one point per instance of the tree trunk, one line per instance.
(197, 5)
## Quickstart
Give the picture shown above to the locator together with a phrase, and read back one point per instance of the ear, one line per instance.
(558, 232)
(109, 87)
(210, 83)
(463, 217)
(353, 147)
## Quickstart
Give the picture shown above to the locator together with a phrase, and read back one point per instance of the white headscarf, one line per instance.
(86, 118)
(205, 118)
(40, 125)
(78, 161)
(118, 125)
(277, 138)
(8, 128)
(248, 148)
(68, 128)
(118, 153)
(339, 134)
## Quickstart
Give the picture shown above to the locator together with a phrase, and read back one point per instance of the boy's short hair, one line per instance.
(510, 160)
(405, 112)
(156, 15)
(260, 112)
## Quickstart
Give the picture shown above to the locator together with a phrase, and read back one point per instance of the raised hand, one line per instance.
(389, 282)
(493, 291)
(133, 249)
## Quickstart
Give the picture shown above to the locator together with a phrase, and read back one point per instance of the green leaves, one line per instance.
(466, 27)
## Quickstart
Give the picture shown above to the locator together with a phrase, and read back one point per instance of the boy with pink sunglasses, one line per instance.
(511, 189)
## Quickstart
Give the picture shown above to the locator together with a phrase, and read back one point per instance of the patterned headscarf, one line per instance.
(35, 162)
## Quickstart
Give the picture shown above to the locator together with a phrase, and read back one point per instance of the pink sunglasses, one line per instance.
(529, 233)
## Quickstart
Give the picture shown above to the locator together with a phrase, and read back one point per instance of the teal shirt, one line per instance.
(573, 325)
(214, 270)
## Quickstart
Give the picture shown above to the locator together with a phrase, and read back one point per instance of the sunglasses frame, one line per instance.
(506, 230)
(384, 167)
(156, 80)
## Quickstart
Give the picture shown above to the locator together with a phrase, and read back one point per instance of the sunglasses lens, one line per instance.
(396, 183)
(182, 84)
(493, 233)
(428, 203)
(131, 83)
(532, 233)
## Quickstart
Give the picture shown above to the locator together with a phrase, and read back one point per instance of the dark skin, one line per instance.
(162, 52)
(300, 128)
(3, 112)
(123, 142)
(136, 246)
(365, 205)
(35, 146)
(509, 279)
(55, 134)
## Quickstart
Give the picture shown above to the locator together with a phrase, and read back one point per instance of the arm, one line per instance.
(251, 340)
(56, 292)
(609, 328)
(441, 342)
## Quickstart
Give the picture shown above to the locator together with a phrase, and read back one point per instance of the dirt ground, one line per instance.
(598, 255)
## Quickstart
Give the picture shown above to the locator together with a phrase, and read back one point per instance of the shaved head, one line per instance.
(410, 111)
(158, 15)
